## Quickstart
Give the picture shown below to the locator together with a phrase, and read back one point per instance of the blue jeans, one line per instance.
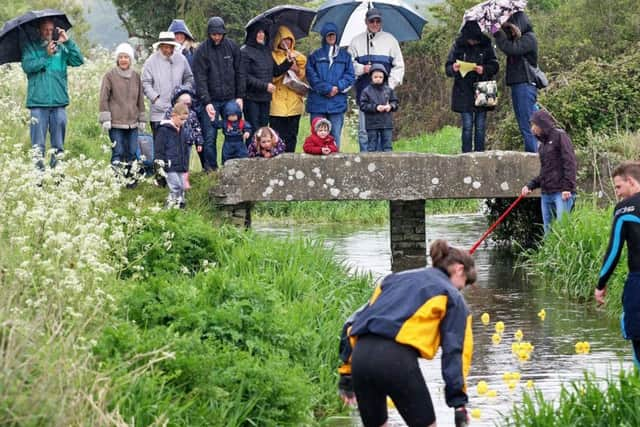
(337, 121)
(210, 134)
(54, 120)
(468, 121)
(363, 135)
(234, 150)
(379, 140)
(524, 97)
(554, 207)
(125, 145)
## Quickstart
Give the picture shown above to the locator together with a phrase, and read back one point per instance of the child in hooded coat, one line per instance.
(266, 143)
(320, 141)
(236, 132)
(377, 101)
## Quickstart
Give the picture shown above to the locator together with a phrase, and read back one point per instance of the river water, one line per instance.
(507, 294)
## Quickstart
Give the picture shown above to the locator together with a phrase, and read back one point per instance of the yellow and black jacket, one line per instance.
(419, 308)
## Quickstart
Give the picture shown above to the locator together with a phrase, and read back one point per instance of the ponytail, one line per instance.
(443, 256)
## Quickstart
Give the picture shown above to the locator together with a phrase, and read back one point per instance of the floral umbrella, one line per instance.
(491, 14)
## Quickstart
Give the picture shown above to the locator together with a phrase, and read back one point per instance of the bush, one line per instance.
(222, 325)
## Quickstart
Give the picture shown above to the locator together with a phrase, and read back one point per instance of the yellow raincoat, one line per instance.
(285, 102)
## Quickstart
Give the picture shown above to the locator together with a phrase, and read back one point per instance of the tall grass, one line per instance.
(591, 402)
(570, 257)
(114, 314)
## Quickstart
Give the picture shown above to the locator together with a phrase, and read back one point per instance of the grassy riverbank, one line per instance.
(591, 402)
(113, 311)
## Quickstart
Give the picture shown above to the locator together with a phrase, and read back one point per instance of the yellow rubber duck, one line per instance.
(500, 327)
(530, 384)
(475, 413)
(518, 335)
(485, 318)
(582, 347)
(542, 314)
(482, 388)
(496, 338)
(492, 393)
(524, 355)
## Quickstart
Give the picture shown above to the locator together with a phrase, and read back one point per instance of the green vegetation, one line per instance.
(591, 402)
(570, 258)
(115, 312)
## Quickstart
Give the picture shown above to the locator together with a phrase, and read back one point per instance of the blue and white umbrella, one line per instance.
(398, 18)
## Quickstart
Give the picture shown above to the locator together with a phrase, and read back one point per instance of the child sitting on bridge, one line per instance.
(266, 143)
(236, 132)
(320, 141)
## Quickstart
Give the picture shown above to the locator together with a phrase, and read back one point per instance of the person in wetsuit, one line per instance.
(410, 315)
(625, 228)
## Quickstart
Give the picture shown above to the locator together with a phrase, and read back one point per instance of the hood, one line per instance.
(179, 90)
(216, 26)
(315, 123)
(275, 138)
(283, 33)
(544, 121)
(521, 20)
(379, 67)
(232, 107)
(327, 28)
(471, 31)
(179, 26)
(250, 39)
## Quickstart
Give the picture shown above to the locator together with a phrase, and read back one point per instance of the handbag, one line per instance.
(535, 74)
(485, 93)
(293, 82)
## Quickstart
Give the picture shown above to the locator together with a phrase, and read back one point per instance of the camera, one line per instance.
(55, 36)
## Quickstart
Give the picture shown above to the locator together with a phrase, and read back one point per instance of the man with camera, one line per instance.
(45, 63)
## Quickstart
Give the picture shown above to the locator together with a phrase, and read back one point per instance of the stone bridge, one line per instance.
(405, 179)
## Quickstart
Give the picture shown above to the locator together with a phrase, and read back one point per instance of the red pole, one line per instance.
(495, 224)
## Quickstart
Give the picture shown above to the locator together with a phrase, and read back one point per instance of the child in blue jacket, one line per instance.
(236, 132)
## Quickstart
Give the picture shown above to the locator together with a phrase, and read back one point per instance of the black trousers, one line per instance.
(381, 367)
(287, 128)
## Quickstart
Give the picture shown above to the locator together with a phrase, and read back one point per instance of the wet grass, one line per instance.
(570, 257)
(590, 402)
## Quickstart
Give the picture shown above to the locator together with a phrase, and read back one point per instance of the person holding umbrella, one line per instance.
(518, 41)
(471, 46)
(287, 104)
(374, 45)
(45, 63)
(261, 68)
(330, 75)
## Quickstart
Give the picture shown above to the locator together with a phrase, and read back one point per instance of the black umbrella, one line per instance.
(297, 18)
(24, 29)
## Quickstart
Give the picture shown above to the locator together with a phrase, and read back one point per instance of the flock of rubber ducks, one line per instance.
(522, 350)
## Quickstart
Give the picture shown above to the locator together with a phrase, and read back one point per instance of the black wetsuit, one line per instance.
(626, 228)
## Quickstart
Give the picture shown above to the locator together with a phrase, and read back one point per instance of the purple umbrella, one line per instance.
(491, 14)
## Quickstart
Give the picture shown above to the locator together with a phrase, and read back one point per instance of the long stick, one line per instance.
(495, 224)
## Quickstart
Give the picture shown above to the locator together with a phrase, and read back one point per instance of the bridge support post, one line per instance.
(238, 215)
(408, 242)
